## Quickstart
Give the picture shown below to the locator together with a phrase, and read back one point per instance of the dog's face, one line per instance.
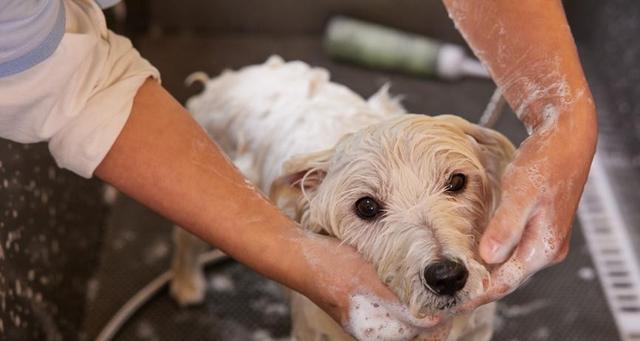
(413, 196)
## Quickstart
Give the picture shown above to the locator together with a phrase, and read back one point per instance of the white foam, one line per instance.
(525, 309)
(586, 273)
(511, 273)
(264, 335)
(373, 319)
(221, 283)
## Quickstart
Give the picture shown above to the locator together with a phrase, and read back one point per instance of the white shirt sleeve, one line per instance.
(79, 98)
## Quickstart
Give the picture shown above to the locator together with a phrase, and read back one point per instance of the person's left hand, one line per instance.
(541, 188)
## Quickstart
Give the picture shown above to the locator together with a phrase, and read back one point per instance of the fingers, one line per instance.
(539, 248)
(562, 252)
(506, 227)
(504, 280)
(543, 243)
(529, 257)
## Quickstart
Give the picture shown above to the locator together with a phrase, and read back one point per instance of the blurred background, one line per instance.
(71, 256)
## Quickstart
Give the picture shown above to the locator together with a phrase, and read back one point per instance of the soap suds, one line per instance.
(511, 274)
(158, 251)
(542, 333)
(535, 82)
(522, 310)
(264, 335)
(269, 307)
(93, 285)
(146, 331)
(109, 195)
(373, 319)
(586, 274)
(221, 283)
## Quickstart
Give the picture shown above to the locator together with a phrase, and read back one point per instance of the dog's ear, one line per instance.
(302, 175)
(307, 171)
(494, 150)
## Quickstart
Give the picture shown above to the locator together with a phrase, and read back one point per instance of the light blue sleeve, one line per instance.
(30, 31)
(107, 3)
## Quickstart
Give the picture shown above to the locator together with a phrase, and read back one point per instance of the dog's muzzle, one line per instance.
(446, 277)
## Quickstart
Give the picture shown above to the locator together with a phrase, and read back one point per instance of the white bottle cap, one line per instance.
(454, 63)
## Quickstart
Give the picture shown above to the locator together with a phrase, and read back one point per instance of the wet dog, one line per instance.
(411, 193)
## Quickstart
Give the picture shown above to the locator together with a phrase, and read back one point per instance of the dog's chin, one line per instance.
(432, 304)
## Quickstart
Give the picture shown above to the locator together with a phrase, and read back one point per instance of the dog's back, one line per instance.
(262, 115)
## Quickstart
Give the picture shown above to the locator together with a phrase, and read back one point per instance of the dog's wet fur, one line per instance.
(412, 193)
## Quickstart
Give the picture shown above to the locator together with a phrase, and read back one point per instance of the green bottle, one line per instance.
(384, 48)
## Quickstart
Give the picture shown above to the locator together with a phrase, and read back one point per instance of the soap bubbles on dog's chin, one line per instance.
(372, 319)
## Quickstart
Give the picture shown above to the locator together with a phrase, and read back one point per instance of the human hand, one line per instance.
(541, 188)
(348, 288)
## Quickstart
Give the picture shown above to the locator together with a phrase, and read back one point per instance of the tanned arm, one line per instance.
(165, 160)
(530, 52)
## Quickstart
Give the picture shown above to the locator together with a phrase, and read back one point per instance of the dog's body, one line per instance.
(410, 192)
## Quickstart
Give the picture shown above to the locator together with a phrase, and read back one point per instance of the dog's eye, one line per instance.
(456, 183)
(367, 208)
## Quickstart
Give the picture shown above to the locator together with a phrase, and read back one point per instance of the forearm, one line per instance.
(164, 160)
(529, 50)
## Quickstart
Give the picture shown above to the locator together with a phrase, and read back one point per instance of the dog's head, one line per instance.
(412, 195)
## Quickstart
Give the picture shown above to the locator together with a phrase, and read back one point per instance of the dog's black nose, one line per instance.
(446, 277)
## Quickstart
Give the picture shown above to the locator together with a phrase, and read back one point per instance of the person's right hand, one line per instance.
(347, 287)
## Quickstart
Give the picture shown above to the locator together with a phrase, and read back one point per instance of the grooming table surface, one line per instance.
(562, 303)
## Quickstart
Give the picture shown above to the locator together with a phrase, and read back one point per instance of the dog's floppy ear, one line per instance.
(302, 174)
(307, 171)
(494, 150)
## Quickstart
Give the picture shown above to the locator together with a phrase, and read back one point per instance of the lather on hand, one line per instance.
(529, 50)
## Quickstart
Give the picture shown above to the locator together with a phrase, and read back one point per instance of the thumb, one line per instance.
(505, 229)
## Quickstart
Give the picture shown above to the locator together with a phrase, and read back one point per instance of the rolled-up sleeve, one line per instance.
(78, 99)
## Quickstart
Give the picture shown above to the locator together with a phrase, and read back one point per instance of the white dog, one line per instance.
(411, 193)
